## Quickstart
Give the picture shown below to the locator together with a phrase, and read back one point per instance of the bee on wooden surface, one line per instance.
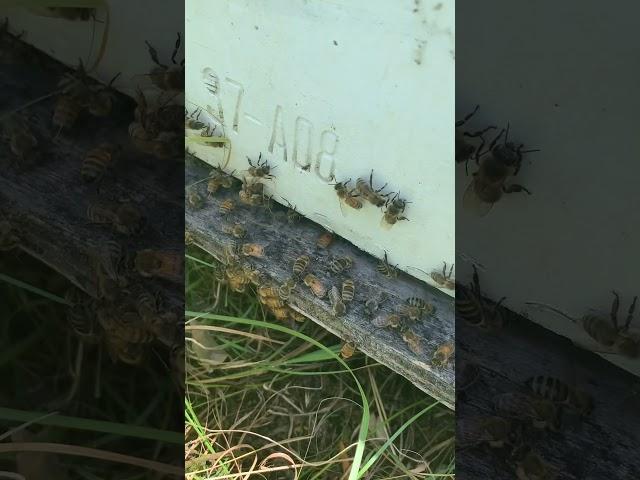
(368, 192)
(81, 316)
(251, 199)
(98, 160)
(493, 431)
(474, 309)
(8, 237)
(416, 308)
(109, 258)
(100, 101)
(261, 169)
(66, 111)
(22, 141)
(555, 390)
(385, 320)
(281, 313)
(129, 220)
(393, 214)
(227, 207)
(266, 291)
(293, 216)
(325, 240)
(297, 316)
(348, 290)
(101, 212)
(541, 412)
(168, 78)
(373, 303)
(489, 181)
(194, 199)
(300, 265)
(165, 264)
(237, 277)
(412, 340)
(347, 350)
(532, 466)
(443, 279)
(340, 265)
(606, 332)
(316, 286)
(272, 302)
(126, 325)
(236, 230)
(442, 355)
(464, 149)
(253, 250)
(284, 291)
(256, 277)
(347, 196)
(337, 304)
(387, 269)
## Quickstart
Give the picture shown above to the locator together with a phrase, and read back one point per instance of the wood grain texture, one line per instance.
(45, 200)
(284, 242)
(604, 445)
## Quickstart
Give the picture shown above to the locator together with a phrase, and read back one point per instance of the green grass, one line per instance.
(276, 401)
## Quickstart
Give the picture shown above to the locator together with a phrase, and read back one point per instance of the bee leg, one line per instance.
(515, 188)
(630, 314)
(459, 123)
(175, 49)
(153, 54)
(614, 309)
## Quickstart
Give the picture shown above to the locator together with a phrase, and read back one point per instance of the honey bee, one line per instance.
(386, 269)
(253, 250)
(22, 141)
(109, 258)
(100, 101)
(237, 277)
(165, 264)
(8, 239)
(128, 219)
(194, 199)
(284, 291)
(347, 350)
(412, 340)
(475, 431)
(555, 390)
(167, 78)
(227, 207)
(81, 316)
(348, 290)
(347, 196)
(261, 169)
(393, 214)
(372, 304)
(606, 333)
(532, 467)
(442, 355)
(339, 265)
(147, 306)
(489, 181)
(384, 320)
(300, 265)
(100, 212)
(324, 240)
(443, 279)
(542, 413)
(316, 286)
(367, 191)
(474, 309)
(236, 230)
(465, 150)
(417, 307)
(292, 214)
(98, 160)
(272, 302)
(282, 313)
(124, 351)
(297, 316)
(337, 305)
(266, 291)
(66, 111)
(126, 325)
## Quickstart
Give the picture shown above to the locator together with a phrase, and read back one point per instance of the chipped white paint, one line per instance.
(325, 88)
(574, 239)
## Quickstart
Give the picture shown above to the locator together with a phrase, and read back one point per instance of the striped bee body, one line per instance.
(348, 290)
(300, 265)
(339, 265)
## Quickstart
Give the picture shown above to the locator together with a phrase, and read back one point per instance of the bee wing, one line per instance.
(343, 207)
(472, 203)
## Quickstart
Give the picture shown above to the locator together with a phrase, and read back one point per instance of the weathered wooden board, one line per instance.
(605, 445)
(46, 202)
(284, 242)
